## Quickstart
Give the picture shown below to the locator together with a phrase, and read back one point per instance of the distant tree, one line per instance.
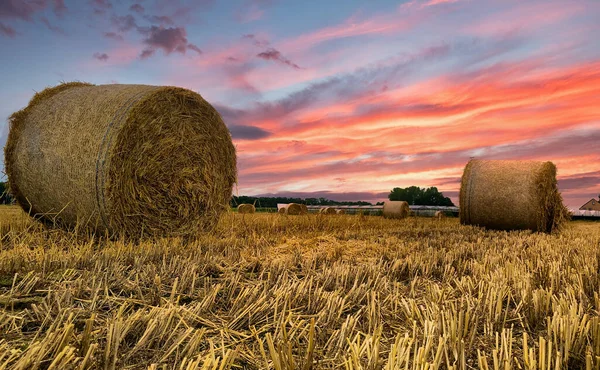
(5, 196)
(415, 195)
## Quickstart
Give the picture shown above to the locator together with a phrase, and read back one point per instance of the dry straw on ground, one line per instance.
(511, 195)
(395, 209)
(121, 159)
(246, 208)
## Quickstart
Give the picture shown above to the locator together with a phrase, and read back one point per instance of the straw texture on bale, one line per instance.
(282, 210)
(293, 209)
(511, 195)
(395, 209)
(246, 208)
(121, 159)
(304, 210)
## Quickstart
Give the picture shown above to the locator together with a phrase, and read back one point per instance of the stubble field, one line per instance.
(301, 292)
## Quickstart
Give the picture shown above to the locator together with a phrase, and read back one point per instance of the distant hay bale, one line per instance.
(304, 209)
(121, 159)
(511, 195)
(282, 210)
(246, 208)
(340, 211)
(293, 209)
(327, 211)
(439, 215)
(395, 209)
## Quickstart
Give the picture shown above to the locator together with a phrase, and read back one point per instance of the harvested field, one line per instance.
(345, 292)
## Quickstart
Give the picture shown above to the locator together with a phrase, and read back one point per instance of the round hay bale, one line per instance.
(511, 195)
(439, 215)
(395, 209)
(246, 208)
(327, 211)
(304, 209)
(340, 211)
(293, 209)
(282, 210)
(122, 159)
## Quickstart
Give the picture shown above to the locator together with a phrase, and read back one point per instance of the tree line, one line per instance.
(413, 195)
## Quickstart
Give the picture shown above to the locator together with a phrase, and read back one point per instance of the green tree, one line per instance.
(415, 195)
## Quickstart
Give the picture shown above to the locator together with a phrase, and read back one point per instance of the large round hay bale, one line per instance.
(511, 195)
(121, 159)
(293, 209)
(304, 210)
(395, 209)
(246, 208)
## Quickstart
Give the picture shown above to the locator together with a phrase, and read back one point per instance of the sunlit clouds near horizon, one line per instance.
(341, 99)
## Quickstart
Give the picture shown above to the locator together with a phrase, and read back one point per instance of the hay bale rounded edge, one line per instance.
(122, 159)
(439, 215)
(246, 208)
(511, 195)
(395, 209)
(304, 210)
(340, 212)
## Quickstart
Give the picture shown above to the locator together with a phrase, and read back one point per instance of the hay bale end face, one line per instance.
(246, 208)
(395, 209)
(511, 195)
(439, 215)
(304, 210)
(122, 159)
(340, 211)
(282, 210)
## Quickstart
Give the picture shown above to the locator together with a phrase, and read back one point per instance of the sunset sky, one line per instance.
(342, 99)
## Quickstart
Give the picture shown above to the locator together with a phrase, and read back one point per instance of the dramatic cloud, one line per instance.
(255, 40)
(113, 35)
(172, 39)
(101, 56)
(161, 20)
(7, 30)
(20, 9)
(581, 181)
(124, 23)
(243, 132)
(138, 8)
(60, 8)
(252, 10)
(274, 54)
(51, 27)
(100, 6)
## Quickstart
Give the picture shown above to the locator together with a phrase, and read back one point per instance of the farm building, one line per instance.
(592, 205)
